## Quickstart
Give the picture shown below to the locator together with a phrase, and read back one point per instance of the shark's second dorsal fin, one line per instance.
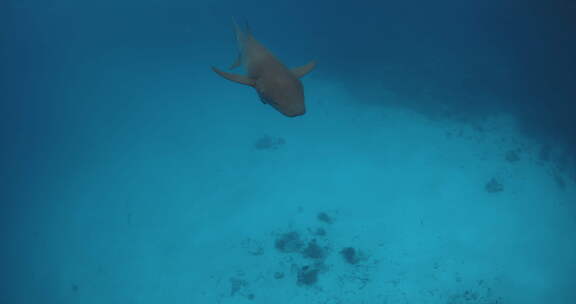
(241, 79)
(303, 70)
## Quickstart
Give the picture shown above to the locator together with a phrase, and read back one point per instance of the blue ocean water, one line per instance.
(435, 164)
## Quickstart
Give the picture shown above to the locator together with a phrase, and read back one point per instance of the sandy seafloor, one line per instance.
(187, 210)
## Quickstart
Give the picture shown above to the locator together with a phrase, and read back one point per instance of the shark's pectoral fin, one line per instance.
(303, 70)
(235, 77)
(237, 63)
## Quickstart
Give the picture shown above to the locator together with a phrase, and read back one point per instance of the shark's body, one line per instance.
(276, 84)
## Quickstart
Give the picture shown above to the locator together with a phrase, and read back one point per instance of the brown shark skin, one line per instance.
(275, 83)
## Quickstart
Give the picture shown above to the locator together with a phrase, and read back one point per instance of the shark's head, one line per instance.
(286, 95)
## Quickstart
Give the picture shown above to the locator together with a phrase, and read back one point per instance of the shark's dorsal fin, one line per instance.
(303, 70)
(241, 79)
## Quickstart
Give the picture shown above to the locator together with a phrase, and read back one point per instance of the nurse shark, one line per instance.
(276, 84)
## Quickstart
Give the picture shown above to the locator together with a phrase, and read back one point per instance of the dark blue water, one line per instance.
(436, 162)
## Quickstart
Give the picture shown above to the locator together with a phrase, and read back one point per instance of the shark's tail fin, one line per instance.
(247, 28)
(240, 35)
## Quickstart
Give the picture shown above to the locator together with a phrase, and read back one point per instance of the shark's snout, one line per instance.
(294, 113)
(289, 102)
(289, 109)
